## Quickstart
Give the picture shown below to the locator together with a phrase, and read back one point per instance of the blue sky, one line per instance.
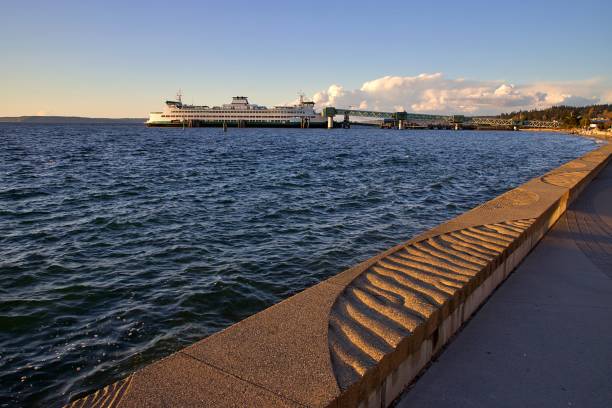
(120, 58)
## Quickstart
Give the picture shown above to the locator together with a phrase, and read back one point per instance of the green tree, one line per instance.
(585, 121)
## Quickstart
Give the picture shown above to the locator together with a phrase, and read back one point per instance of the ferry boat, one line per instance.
(238, 113)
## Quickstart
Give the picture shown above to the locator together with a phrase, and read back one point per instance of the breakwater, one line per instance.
(121, 245)
(360, 337)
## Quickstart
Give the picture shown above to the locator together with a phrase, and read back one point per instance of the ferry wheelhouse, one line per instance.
(238, 113)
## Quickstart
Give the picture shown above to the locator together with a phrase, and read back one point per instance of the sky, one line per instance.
(125, 58)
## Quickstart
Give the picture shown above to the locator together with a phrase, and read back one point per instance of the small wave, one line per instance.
(22, 193)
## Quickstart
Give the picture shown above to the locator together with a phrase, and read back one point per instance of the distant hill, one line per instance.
(569, 116)
(56, 120)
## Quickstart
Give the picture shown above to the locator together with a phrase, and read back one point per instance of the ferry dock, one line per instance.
(241, 113)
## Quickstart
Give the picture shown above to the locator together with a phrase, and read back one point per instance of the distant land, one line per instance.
(57, 120)
(569, 116)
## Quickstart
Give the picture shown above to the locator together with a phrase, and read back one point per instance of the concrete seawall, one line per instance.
(360, 337)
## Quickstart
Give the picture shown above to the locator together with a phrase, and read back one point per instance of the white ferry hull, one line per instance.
(239, 113)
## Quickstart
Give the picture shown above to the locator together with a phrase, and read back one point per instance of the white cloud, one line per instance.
(433, 93)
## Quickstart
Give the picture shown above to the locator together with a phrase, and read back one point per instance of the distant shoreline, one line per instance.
(58, 120)
(597, 134)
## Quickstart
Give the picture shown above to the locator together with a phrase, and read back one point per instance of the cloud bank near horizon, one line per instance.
(434, 93)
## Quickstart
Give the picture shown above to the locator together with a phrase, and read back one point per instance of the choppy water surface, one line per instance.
(121, 244)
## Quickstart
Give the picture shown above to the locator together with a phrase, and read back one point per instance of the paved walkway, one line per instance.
(544, 339)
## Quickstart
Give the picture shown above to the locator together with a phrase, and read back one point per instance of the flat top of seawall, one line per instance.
(341, 341)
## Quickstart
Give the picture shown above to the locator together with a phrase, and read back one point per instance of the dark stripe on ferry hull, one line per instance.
(247, 124)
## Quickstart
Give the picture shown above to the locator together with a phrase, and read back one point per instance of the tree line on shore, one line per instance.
(568, 116)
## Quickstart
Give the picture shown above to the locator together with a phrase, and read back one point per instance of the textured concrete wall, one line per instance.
(360, 337)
